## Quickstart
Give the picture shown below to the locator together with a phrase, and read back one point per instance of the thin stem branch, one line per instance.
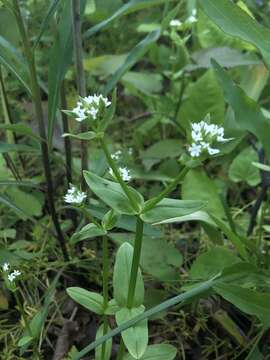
(152, 202)
(80, 76)
(36, 97)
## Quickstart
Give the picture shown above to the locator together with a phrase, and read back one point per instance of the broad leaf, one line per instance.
(249, 301)
(112, 194)
(136, 337)
(121, 277)
(157, 352)
(89, 231)
(88, 299)
(171, 208)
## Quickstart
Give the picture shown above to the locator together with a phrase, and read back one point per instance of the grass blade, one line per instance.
(50, 12)
(131, 6)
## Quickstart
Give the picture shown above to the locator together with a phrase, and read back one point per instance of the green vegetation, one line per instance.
(134, 177)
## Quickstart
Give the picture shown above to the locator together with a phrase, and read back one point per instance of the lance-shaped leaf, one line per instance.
(88, 299)
(236, 22)
(248, 114)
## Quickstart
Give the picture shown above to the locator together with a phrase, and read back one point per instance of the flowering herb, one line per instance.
(89, 107)
(74, 195)
(204, 137)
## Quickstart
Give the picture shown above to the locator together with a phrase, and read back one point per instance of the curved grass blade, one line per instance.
(199, 290)
(234, 21)
(12, 59)
(60, 59)
(135, 54)
(131, 6)
(50, 12)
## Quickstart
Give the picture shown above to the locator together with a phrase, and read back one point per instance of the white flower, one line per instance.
(74, 196)
(196, 136)
(175, 23)
(124, 172)
(212, 151)
(192, 18)
(79, 112)
(195, 150)
(5, 266)
(12, 276)
(117, 155)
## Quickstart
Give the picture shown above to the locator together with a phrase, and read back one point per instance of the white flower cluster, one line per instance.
(203, 136)
(12, 276)
(74, 195)
(89, 106)
(124, 172)
(117, 155)
(176, 23)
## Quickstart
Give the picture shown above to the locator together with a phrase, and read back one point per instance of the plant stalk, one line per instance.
(80, 76)
(105, 282)
(151, 203)
(36, 97)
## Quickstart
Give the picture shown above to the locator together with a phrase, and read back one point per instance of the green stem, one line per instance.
(135, 262)
(105, 261)
(117, 174)
(152, 202)
(36, 96)
(80, 75)
(133, 275)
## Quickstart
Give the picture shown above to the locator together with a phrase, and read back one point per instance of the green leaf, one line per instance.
(171, 208)
(242, 168)
(129, 7)
(5, 200)
(60, 59)
(200, 216)
(27, 202)
(195, 106)
(88, 299)
(157, 352)
(112, 194)
(260, 166)
(135, 54)
(25, 340)
(249, 301)
(110, 219)
(14, 62)
(22, 129)
(89, 231)
(248, 115)
(121, 277)
(108, 345)
(236, 22)
(212, 262)
(198, 186)
(146, 82)
(136, 337)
